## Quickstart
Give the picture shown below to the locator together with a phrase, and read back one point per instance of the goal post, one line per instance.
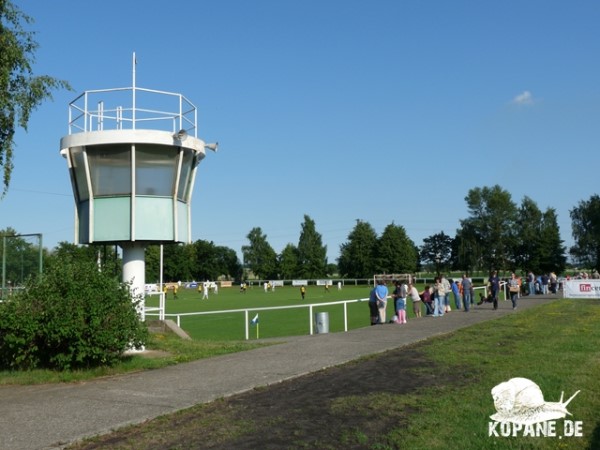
(389, 278)
(22, 258)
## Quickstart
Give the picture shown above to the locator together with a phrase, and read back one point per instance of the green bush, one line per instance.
(75, 316)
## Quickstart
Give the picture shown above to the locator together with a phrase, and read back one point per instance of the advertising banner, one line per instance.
(581, 288)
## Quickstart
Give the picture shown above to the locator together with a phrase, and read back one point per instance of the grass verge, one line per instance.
(447, 402)
(165, 350)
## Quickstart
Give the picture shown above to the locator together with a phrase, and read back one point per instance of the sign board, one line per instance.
(581, 288)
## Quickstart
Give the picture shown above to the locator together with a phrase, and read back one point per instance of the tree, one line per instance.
(467, 253)
(585, 224)
(491, 224)
(312, 254)
(437, 250)
(357, 255)
(539, 246)
(201, 260)
(259, 256)
(288, 262)
(228, 263)
(179, 262)
(395, 252)
(552, 249)
(527, 255)
(21, 91)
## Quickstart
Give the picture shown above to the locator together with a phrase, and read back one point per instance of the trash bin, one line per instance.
(322, 322)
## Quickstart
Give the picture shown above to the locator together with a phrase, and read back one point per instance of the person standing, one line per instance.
(373, 309)
(494, 283)
(413, 293)
(302, 291)
(553, 282)
(439, 295)
(205, 290)
(545, 280)
(456, 294)
(447, 290)
(531, 283)
(381, 292)
(467, 288)
(426, 296)
(513, 289)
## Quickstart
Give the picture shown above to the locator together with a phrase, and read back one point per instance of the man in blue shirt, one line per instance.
(381, 293)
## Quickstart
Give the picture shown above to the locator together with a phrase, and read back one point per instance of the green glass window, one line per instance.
(79, 174)
(110, 169)
(156, 167)
(186, 174)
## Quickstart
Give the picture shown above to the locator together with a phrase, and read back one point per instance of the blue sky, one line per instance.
(384, 111)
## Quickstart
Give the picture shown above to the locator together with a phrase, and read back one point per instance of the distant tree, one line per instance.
(357, 255)
(259, 256)
(152, 266)
(206, 264)
(288, 262)
(312, 254)
(491, 225)
(200, 260)
(104, 256)
(228, 263)
(179, 262)
(332, 270)
(467, 253)
(395, 251)
(437, 251)
(585, 224)
(551, 248)
(538, 247)
(20, 91)
(527, 254)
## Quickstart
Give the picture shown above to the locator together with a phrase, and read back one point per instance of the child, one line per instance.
(400, 294)
(426, 296)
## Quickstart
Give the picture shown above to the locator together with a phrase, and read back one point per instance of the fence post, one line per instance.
(246, 320)
(345, 316)
(310, 319)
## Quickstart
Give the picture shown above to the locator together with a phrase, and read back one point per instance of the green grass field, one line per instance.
(273, 323)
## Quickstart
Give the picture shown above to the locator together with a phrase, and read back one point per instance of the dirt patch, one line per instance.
(341, 407)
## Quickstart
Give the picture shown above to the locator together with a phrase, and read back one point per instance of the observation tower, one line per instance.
(132, 155)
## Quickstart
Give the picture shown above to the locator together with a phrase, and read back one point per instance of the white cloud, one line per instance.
(524, 98)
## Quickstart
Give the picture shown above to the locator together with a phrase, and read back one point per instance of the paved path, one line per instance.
(52, 416)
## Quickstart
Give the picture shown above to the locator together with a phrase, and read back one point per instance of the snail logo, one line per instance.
(521, 408)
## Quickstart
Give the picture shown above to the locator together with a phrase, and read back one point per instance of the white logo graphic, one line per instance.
(521, 401)
(522, 411)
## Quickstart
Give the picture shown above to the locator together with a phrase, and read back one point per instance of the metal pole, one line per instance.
(162, 292)
(133, 92)
(3, 264)
(41, 256)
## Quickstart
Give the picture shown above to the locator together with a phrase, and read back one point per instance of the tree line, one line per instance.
(497, 234)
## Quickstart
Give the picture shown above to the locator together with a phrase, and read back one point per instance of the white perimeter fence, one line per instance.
(157, 311)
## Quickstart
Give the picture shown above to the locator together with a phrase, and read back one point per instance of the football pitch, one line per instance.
(271, 323)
